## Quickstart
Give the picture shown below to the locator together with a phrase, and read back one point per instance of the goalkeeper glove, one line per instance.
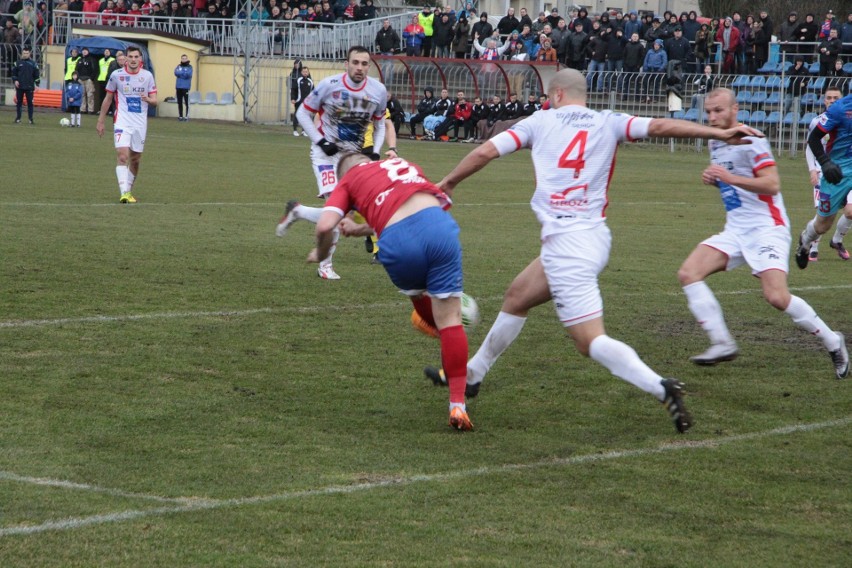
(372, 155)
(330, 148)
(830, 171)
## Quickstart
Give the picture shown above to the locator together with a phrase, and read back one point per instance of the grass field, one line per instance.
(178, 388)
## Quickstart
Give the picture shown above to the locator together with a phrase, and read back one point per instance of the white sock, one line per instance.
(809, 235)
(806, 318)
(130, 179)
(121, 172)
(815, 245)
(311, 214)
(502, 334)
(72, 119)
(843, 226)
(78, 121)
(623, 362)
(461, 405)
(706, 309)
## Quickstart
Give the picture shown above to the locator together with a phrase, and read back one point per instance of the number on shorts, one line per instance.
(577, 163)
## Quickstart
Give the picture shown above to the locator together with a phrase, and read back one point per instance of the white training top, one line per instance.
(130, 110)
(573, 152)
(747, 210)
(809, 156)
(346, 111)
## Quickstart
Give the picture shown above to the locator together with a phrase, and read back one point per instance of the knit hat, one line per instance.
(658, 42)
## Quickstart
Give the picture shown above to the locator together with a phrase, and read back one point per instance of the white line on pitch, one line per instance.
(14, 324)
(210, 504)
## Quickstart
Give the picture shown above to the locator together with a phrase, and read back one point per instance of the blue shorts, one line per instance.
(422, 252)
(833, 198)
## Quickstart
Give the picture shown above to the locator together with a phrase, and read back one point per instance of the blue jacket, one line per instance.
(184, 77)
(413, 40)
(655, 60)
(73, 93)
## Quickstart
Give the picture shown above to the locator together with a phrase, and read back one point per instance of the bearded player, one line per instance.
(346, 103)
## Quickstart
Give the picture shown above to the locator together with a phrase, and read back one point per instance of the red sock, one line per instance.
(454, 358)
(423, 306)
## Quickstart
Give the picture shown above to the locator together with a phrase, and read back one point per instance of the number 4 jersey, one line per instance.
(573, 151)
(378, 189)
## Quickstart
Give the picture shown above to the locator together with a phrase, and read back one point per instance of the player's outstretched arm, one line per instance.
(674, 128)
(325, 238)
(469, 165)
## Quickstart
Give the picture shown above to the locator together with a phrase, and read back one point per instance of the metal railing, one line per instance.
(288, 39)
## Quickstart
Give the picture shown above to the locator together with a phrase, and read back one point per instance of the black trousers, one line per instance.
(183, 97)
(19, 95)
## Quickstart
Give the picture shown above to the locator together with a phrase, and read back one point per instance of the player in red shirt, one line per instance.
(418, 246)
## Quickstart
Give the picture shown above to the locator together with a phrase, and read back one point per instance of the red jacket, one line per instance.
(463, 112)
(735, 37)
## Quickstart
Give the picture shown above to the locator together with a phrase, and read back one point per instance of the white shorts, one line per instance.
(762, 249)
(130, 137)
(325, 170)
(572, 262)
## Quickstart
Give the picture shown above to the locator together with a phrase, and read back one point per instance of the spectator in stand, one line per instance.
(553, 18)
(425, 108)
(827, 25)
(706, 83)
(760, 41)
(799, 79)
(702, 46)
(131, 19)
(75, 6)
(413, 35)
(632, 25)
(634, 58)
(729, 37)
(846, 35)
(583, 19)
(766, 23)
(183, 84)
(468, 12)
(605, 23)
(348, 12)
(559, 38)
(654, 33)
(597, 49)
(538, 24)
(397, 113)
(387, 40)
(427, 22)
(109, 16)
(367, 11)
(524, 20)
(490, 52)
(27, 19)
(326, 15)
(482, 28)
(530, 42)
(508, 23)
(838, 77)
(442, 36)
(73, 96)
(212, 11)
(517, 50)
(690, 26)
(806, 35)
(86, 71)
(547, 52)
(616, 44)
(26, 77)
(654, 66)
(677, 47)
(829, 50)
(787, 33)
(461, 38)
(576, 49)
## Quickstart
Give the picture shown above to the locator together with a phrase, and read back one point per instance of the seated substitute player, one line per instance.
(135, 90)
(756, 233)
(347, 103)
(418, 246)
(831, 94)
(836, 187)
(575, 146)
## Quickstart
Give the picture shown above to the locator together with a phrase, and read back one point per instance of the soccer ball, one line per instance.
(64, 122)
(469, 311)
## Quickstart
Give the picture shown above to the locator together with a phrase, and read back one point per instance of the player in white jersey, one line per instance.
(134, 90)
(573, 151)
(346, 104)
(756, 233)
(830, 96)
